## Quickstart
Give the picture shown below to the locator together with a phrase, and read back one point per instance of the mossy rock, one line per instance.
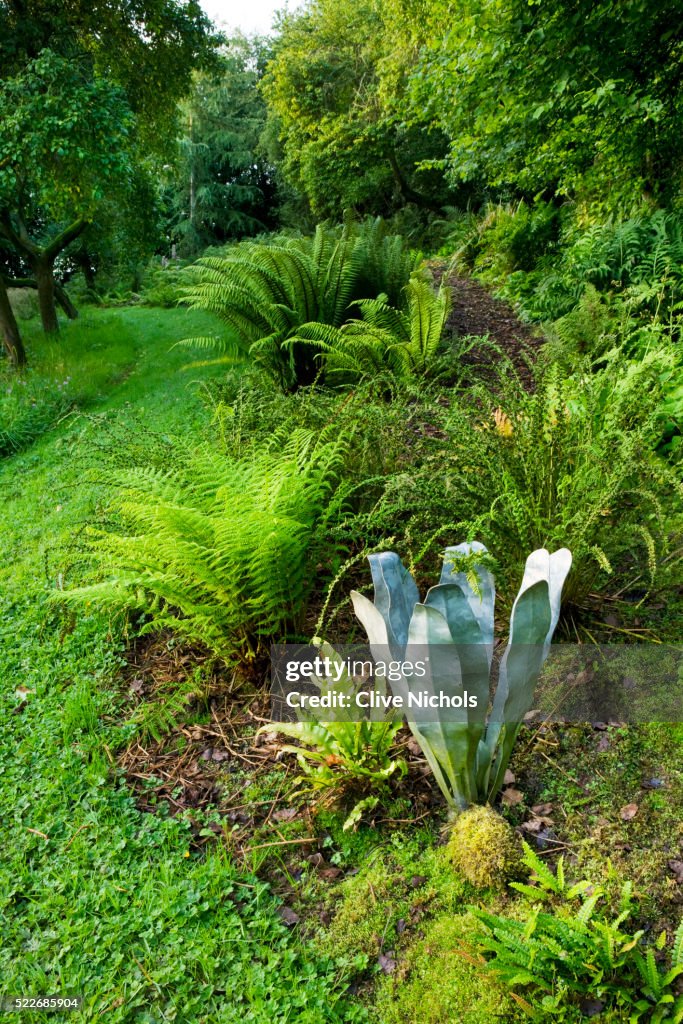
(484, 848)
(24, 302)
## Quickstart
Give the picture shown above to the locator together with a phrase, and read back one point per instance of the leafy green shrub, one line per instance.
(572, 462)
(508, 238)
(562, 959)
(162, 285)
(266, 291)
(221, 550)
(638, 262)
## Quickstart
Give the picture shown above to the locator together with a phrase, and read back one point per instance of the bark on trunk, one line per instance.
(43, 268)
(9, 329)
(65, 302)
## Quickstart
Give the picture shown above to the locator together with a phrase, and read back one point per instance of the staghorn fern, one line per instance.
(221, 551)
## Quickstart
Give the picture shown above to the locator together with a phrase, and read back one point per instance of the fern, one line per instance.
(266, 292)
(221, 550)
(557, 958)
(403, 343)
(575, 465)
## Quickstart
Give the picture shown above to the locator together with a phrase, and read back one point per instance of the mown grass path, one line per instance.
(96, 898)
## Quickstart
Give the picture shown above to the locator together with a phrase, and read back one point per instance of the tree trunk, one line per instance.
(9, 329)
(65, 302)
(43, 268)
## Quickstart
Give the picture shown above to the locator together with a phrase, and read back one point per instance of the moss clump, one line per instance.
(436, 984)
(484, 848)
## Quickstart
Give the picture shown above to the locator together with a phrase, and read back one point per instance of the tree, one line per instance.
(223, 187)
(149, 48)
(11, 338)
(85, 89)
(580, 99)
(336, 104)
(63, 140)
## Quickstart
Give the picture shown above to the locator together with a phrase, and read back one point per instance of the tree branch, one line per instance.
(64, 238)
(406, 190)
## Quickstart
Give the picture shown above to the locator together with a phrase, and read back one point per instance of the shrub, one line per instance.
(636, 264)
(507, 238)
(221, 550)
(387, 342)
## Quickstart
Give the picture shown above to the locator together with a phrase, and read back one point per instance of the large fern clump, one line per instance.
(637, 264)
(400, 342)
(266, 291)
(221, 550)
(570, 463)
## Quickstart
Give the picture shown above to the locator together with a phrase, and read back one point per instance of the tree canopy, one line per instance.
(334, 91)
(88, 92)
(223, 186)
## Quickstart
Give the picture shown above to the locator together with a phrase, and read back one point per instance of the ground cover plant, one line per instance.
(399, 286)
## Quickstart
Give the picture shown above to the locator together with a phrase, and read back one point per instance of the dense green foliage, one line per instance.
(221, 549)
(267, 292)
(567, 957)
(222, 187)
(164, 524)
(88, 94)
(333, 91)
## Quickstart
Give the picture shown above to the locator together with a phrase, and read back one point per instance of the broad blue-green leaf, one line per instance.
(396, 595)
(446, 731)
(482, 604)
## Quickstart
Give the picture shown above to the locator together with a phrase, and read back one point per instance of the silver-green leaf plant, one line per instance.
(467, 750)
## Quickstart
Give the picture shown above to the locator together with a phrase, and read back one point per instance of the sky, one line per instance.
(247, 15)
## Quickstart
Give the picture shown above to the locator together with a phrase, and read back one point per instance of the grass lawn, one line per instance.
(97, 898)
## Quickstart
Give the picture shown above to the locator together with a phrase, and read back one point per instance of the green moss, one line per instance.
(589, 778)
(437, 985)
(383, 906)
(484, 848)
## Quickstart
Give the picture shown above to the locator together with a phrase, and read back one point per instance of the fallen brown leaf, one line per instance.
(512, 797)
(387, 962)
(628, 811)
(285, 814)
(289, 916)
